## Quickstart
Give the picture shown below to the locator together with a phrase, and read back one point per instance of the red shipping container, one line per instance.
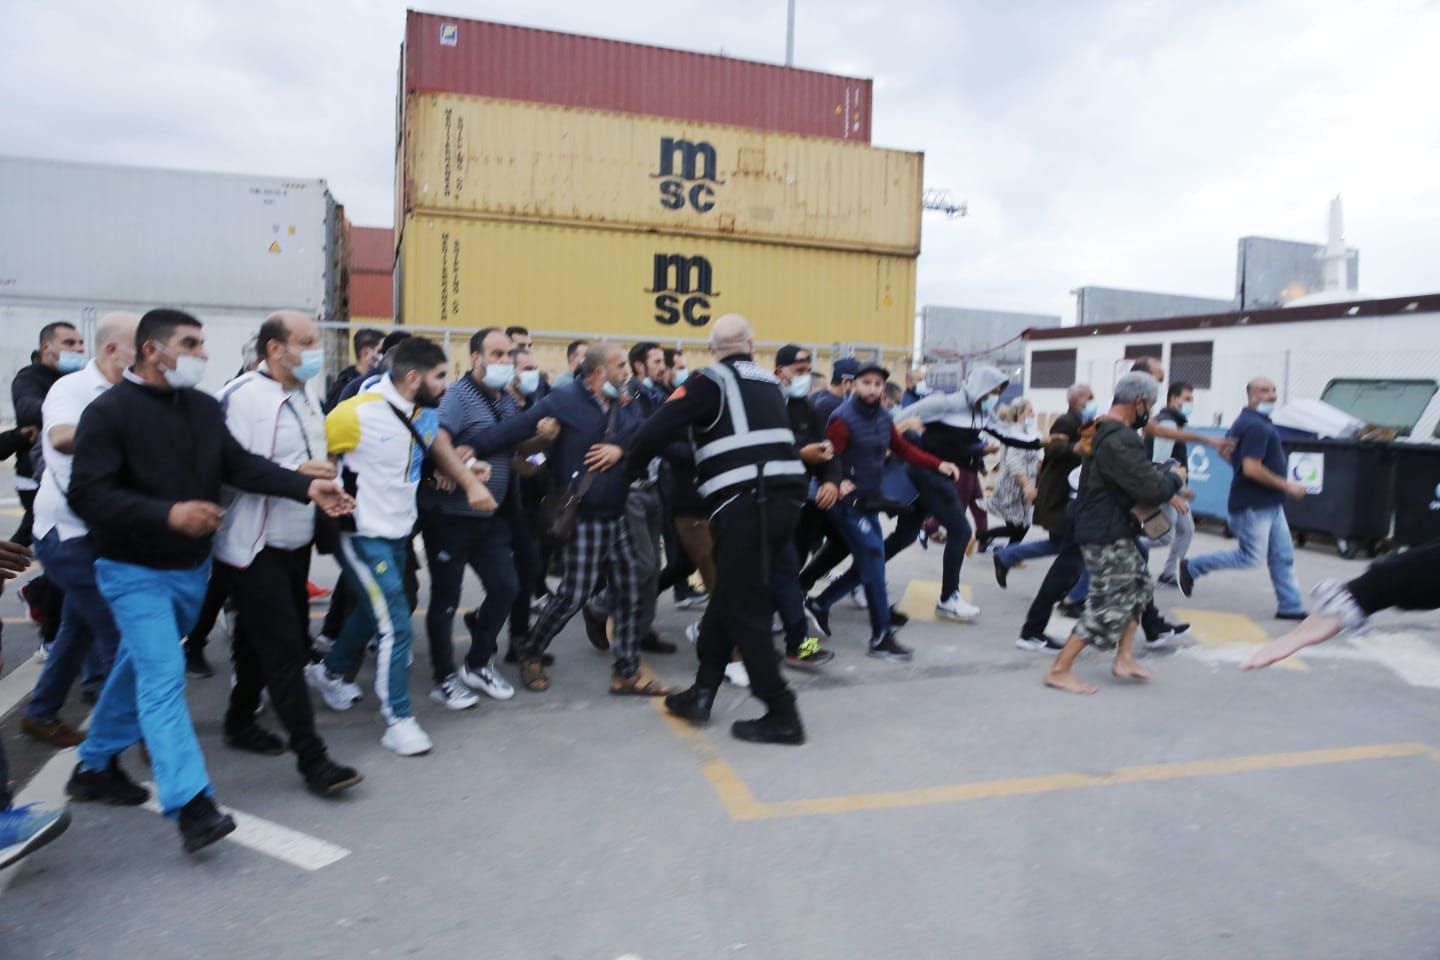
(372, 293)
(372, 249)
(478, 57)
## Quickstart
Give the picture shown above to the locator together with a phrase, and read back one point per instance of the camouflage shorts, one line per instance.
(1120, 588)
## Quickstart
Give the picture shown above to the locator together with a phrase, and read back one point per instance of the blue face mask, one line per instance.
(1089, 411)
(681, 376)
(70, 361)
(1187, 409)
(648, 383)
(609, 389)
(499, 375)
(1264, 409)
(529, 382)
(311, 363)
(799, 388)
(922, 389)
(989, 404)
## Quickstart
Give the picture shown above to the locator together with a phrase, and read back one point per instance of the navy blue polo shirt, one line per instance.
(1255, 436)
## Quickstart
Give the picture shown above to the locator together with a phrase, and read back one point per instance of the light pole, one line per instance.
(790, 35)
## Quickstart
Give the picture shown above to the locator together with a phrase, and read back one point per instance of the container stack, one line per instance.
(588, 188)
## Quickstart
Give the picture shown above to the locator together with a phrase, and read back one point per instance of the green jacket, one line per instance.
(1116, 476)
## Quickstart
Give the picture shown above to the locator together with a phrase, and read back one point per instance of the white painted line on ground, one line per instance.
(18, 683)
(261, 835)
(1410, 657)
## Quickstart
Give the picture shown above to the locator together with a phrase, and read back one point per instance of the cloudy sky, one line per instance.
(1114, 143)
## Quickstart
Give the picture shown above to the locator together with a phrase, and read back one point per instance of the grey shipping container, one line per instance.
(142, 237)
(990, 336)
(1271, 273)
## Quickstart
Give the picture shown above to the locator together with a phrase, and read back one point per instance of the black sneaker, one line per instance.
(255, 739)
(809, 654)
(1165, 580)
(1072, 610)
(818, 614)
(110, 785)
(1288, 615)
(1039, 641)
(325, 777)
(651, 643)
(1168, 631)
(888, 648)
(1001, 571)
(771, 728)
(693, 704)
(595, 628)
(202, 823)
(197, 666)
(898, 619)
(1187, 582)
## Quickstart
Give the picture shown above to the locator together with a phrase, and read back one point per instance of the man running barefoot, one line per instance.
(1117, 476)
(1405, 580)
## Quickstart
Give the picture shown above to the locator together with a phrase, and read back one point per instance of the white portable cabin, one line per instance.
(1382, 345)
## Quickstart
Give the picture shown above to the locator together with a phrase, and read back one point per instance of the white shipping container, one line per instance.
(142, 237)
(226, 332)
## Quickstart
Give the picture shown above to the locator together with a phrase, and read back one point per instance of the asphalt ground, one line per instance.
(951, 807)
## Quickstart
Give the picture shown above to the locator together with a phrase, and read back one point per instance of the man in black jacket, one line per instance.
(151, 455)
(61, 351)
(1117, 475)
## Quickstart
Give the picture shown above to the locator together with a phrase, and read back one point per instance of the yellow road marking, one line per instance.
(922, 595)
(1214, 629)
(740, 803)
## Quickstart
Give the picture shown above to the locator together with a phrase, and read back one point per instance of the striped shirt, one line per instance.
(466, 411)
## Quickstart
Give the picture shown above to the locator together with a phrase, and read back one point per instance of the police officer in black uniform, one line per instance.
(754, 485)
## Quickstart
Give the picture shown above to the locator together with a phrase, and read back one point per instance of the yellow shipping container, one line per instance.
(526, 161)
(466, 272)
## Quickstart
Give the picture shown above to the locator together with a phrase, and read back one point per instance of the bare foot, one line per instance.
(1130, 670)
(1316, 628)
(1070, 683)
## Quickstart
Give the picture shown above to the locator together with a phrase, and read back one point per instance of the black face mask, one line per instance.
(1141, 420)
(424, 398)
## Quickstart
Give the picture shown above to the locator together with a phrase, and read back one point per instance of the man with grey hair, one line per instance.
(1257, 505)
(1116, 476)
(754, 484)
(63, 541)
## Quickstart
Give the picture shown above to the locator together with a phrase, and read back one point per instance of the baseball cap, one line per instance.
(790, 353)
(845, 368)
(873, 367)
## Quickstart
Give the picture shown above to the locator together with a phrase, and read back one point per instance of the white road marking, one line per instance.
(264, 836)
(1410, 657)
(18, 683)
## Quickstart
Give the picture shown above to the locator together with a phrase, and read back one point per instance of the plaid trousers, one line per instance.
(599, 546)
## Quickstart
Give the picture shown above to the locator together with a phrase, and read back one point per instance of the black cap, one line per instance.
(393, 338)
(845, 368)
(790, 353)
(873, 367)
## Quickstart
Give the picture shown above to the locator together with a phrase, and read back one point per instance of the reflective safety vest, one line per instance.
(751, 434)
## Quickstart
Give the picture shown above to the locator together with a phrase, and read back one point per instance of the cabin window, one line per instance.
(1052, 368)
(1191, 363)
(1137, 350)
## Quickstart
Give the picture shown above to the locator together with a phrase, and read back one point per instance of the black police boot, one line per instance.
(781, 724)
(693, 704)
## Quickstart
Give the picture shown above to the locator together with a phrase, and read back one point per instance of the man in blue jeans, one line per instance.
(151, 455)
(1257, 506)
(861, 431)
(63, 541)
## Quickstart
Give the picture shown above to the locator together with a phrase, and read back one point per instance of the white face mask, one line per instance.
(499, 375)
(1187, 409)
(799, 388)
(529, 382)
(1029, 424)
(681, 376)
(189, 371)
(922, 389)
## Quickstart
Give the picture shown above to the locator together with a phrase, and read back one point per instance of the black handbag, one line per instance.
(560, 509)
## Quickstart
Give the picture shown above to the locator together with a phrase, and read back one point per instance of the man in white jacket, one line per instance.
(266, 541)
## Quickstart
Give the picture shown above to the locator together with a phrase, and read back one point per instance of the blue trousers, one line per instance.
(144, 698)
(862, 533)
(375, 570)
(87, 639)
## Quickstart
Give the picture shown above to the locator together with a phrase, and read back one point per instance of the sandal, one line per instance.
(642, 683)
(532, 676)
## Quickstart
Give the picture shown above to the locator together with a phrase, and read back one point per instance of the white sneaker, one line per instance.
(406, 737)
(451, 694)
(352, 690)
(692, 633)
(736, 674)
(776, 627)
(331, 689)
(43, 653)
(955, 608)
(487, 680)
(539, 603)
(857, 597)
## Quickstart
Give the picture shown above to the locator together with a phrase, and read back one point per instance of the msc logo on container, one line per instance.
(691, 184)
(683, 287)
